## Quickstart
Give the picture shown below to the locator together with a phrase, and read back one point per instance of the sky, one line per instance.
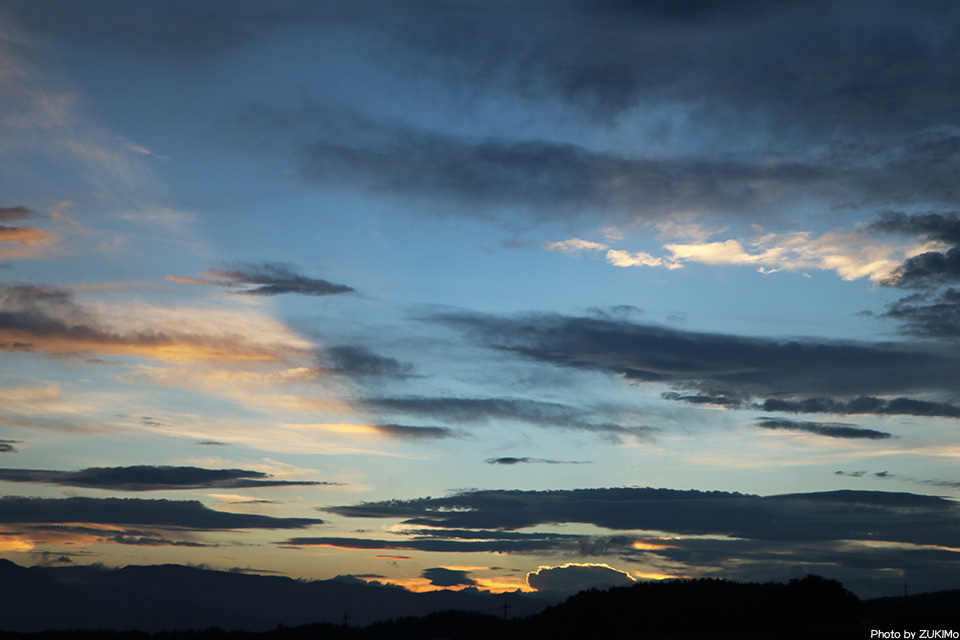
(498, 295)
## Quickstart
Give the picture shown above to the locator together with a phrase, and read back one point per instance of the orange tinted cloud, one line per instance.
(48, 319)
(26, 235)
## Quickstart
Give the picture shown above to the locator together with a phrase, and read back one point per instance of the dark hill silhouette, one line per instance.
(185, 598)
(152, 598)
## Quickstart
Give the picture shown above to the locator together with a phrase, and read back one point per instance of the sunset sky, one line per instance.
(441, 293)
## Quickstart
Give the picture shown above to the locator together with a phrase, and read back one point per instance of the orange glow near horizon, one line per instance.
(498, 584)
(16, 543)
(642, 575)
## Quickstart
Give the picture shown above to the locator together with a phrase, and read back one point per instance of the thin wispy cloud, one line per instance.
(827, 429)
(188, 514)
(267, 279)
(152, 478)
(510, 461)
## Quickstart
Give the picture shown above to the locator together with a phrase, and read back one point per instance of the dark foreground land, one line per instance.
(813, 607)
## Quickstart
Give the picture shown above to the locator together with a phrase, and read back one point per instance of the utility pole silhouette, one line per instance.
(505, 607)
(345, 618)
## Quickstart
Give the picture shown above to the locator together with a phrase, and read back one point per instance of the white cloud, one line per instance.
(575, 246)
(639, 259)
(852, 255)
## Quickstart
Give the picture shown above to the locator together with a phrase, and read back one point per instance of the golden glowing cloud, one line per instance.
(643, 545)
(26, 235)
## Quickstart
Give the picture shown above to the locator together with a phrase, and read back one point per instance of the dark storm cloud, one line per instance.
(928, 315)
(175, 31)
(943, 226)
(15, 213)
(929, 269)
(828, 429)
(825, 66)
(435, 545)
(151, 478)
(441, 577)
(482, 410)
(183, 514)
(714, 364)
(864, 405)
(6, 446)
(700, 398)
(525, 460)
(270, 278)
(361, 361)
(932, 268)
(836, 515)
(560, 179)
(550, 177)
(825, 78)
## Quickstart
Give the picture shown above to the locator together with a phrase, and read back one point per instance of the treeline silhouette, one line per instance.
(705, 608)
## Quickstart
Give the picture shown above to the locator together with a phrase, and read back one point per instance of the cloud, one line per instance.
(525, 460)
(573, 577)
(441, 577)
(575, 246)
(78, 534)
(620, 258)
(6, 446)
(928, 315)
(433, 545)
(404, 431)
(359, 361)
(548, 179)
(881, 84)
(852, 255)
(176, 32)
(863, 405)
(800, 517)
(15, 213)
(887, 75)
(48, 319)
(152, 478)
(25, 235)
(482, 410)
(718, 365)
(272, 279)
(931, 268)
(828, 429)
(185, 514)
(943, 226)
(21, 235)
